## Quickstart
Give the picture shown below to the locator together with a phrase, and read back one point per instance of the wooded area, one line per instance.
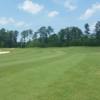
(46, 37)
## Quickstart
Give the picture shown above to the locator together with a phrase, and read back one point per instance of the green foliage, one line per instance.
(8, 38)
(97, 30)
(46, 37)
(70, 36)
(87, 29)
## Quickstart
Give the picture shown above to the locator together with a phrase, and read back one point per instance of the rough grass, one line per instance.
(50, 74)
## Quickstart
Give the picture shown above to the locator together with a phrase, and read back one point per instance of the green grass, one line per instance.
(50, 74)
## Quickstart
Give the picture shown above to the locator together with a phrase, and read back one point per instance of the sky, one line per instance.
(26, 14)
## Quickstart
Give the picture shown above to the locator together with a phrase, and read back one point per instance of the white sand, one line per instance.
(4, 52)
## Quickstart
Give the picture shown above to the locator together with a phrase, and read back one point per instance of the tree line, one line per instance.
(46, 37)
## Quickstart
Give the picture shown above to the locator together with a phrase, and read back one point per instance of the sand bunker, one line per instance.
(4, 52)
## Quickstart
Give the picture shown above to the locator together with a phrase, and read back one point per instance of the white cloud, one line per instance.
(70, 5)
(5, 21)
(11, 21)
(53, 14)
(30, 7)
(20, 24)
(90, 11)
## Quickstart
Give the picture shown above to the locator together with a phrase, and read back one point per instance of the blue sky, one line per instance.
(24, 14)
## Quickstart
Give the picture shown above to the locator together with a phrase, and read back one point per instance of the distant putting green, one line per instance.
(71, 73)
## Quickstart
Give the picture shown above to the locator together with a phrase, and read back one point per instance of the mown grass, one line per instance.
(50, 74)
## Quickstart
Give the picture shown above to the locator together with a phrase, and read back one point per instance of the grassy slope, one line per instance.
(50, 74)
